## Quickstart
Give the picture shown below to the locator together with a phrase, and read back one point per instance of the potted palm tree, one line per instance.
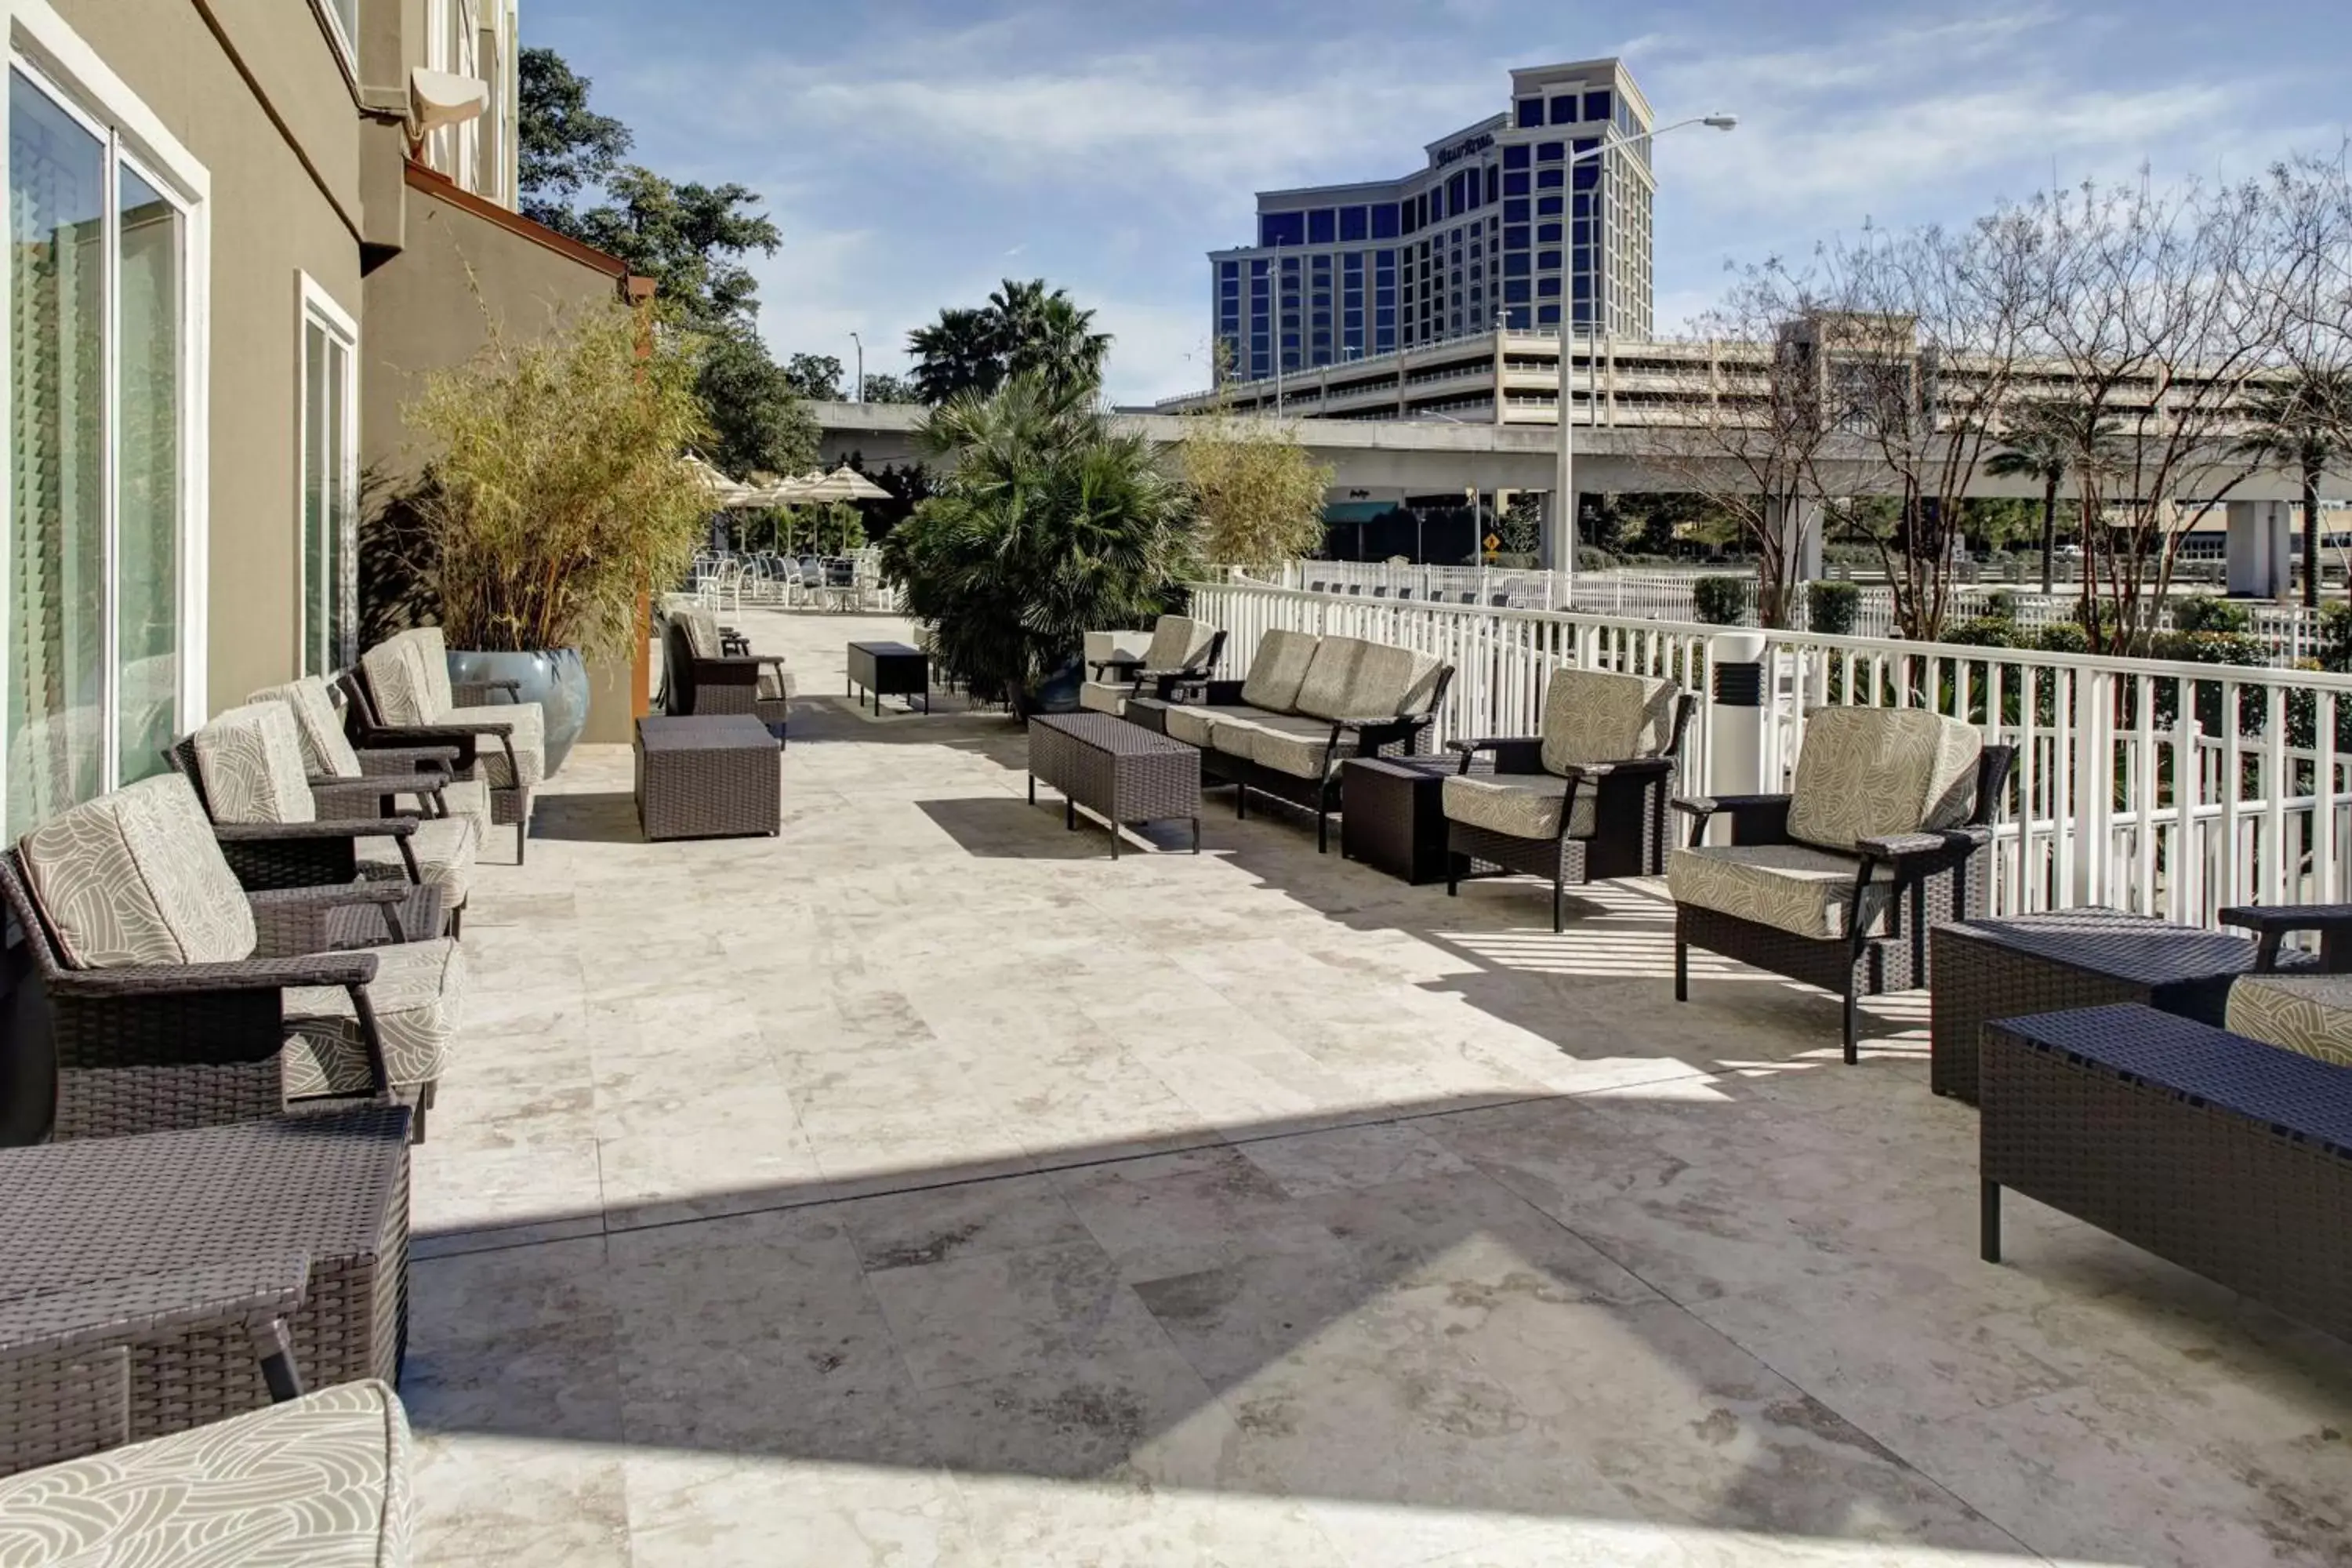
(554, 498)
(1053, 523)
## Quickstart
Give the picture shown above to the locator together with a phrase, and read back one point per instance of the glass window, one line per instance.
(1550, 152)
(330, 487)
(1547, 288)
(1531, 112)
(1563, 109)
(1355, 261)
(1322, 225)
(1516, 156)
(1516, 239)
(1516, 264)
(1229, 270)
(99, 303)
(1583, 289)
(1354, 222)
(1588, 144)
(1282, 229)
(1384, 221)
(344, 22)
(1548, 233)
(1548, 206)
(1583, 255)
(1547, 316)
(1514, 186)
(1598, 106)
(1383, 315)
(1553, 179)
(1258, 267)
(1515, 211)
(1546, 261)
(1515, 292)
(1583, 235)
(1231, 288)
(1584, 206)
(1588, 175)
(1289, 271)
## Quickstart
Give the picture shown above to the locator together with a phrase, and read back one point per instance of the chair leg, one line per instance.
(1453, 874)
(457, 922)
(1852, 1053)
(1681, 970)
(1322, 829)
(522, 841)
(1558, 897)
(1989, 1222)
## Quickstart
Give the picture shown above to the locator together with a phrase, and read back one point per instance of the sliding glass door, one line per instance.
(329, 482)
(98, 338)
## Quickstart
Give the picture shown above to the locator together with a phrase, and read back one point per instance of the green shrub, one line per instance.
(2060, 636)
(2336, 636)
(1982, 631)
(1831, 607)
(1592, 558)
(1721, 601)
(2210, 612)
(2210, 647)
(2000, 608)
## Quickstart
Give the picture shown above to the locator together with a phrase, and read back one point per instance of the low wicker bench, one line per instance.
(2225, 1155)
(99, 1221)
(1120, 772)
(710, 776)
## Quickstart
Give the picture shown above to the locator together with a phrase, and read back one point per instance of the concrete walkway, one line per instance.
(919, 1187)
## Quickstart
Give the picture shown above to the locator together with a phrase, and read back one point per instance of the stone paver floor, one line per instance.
(919, 1187)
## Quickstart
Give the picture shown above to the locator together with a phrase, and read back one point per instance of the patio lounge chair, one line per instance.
(1308, 704)
(708, 669)
(1584, 801)
(1886, 833)
(280, 826)
(179, 999)
(401, 696)
(1121, 664)
(329, 755)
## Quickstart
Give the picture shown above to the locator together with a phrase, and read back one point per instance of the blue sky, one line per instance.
(915, 152)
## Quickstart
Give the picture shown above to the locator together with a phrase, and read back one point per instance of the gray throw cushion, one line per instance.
(136, 877)
(1597, 716)
(1806, 892)
(1391, 682)
(1519, 806)
(250, 759)
(1171, 643)
(1330, 674)
(416, 996)
(1865, 773)
(1278, 671)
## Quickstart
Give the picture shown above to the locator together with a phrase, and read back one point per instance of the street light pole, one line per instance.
(1563, 508)
(861, 365)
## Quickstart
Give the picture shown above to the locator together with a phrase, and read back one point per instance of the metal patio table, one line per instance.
(890, 669)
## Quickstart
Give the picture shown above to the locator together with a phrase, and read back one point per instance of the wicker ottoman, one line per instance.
(108, 1218)
(710, 776)
(1991, 969)
(1118, 771)
(2225, 1155)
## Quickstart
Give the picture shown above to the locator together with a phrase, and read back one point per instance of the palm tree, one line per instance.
(1051, 524)
(1025, 328)
(2043, 439)
(2304, 423)
(961, 352)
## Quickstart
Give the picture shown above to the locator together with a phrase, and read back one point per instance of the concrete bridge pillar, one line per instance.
(2261, 548)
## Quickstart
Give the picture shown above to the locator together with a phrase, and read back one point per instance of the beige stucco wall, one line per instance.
(270, 222)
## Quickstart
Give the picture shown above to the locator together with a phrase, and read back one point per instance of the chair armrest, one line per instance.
(326, 828)
(2272, 924)
(457, 738)
(1755, 818)
(377, 785)
(1218, 693)
(334, 896)
(1513, 754)
(1121, 661)
(513, 689)
(1903, 845)
(341, 969)
(381, 760)
(1625, 768)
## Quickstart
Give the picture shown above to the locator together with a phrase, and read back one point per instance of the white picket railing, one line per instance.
(2167, 789)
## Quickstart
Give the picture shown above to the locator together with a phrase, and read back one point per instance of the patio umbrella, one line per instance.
(725, 493)
(846, 483)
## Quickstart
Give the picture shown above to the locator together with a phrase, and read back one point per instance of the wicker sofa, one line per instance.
(1121, 665)
(706, 669)
(1308, 704)
(1886, 832)
(1584, 801)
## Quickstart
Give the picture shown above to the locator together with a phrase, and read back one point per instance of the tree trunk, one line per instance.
(2310, 534)
(2049, 530)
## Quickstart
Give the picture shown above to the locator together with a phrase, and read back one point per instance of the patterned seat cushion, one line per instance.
(136, 877)
(468, 798)
(418, 991)
(777, 686)
(1598, 716)
(1278, 671)
(2311, 1014)
(1392, 681)
(1521, 805)
(444, 850)
(1806, 892)
(1192, 724)
(250, 760)
(1176, 641)
(325, 749)
(1865, 773)
(1104, 696)
(529, 732)
(409, 675)
(396, 679)
(1291, 743)
(1331, 675)
(323, 1481)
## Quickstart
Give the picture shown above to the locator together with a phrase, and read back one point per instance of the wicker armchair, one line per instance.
(400, 697)
(332, 758)
(1181, 649)
(282, 826)
(1584, 801)
(179, 999)
(1886, 833)
(706, 669)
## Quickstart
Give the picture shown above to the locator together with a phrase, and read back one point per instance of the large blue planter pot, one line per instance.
(557, 679)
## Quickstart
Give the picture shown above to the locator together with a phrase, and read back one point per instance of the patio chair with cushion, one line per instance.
(1886, 832)
(706, 670)
(1583, 802)
(1121, 665)
(178, 998)
(1308, 704)
(422, 780)
(401, 696)
(282, 826)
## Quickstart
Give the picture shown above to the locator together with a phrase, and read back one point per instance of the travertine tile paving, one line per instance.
(919, 1187)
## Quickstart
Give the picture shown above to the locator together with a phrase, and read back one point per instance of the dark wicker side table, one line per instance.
(89, 1222)
(1392, 816)
(890, 669)
(1991, 969)
(710, 776)
(2225, 1155)
(1150, 712)
(1119, 772)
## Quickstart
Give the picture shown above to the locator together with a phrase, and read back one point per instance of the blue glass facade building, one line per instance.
(1506, 221)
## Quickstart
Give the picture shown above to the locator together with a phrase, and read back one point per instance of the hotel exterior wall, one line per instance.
(271, 221)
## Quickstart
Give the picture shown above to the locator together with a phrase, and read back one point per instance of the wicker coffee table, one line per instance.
(108, 1223)
(1392, 815)
(709, 777)
(2071, 958)
(2225, 1155)
(1120, 772)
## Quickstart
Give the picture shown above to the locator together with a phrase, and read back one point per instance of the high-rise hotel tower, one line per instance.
(1508, 223)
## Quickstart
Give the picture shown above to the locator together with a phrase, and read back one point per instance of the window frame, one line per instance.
(314, 306)
(58, 63)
